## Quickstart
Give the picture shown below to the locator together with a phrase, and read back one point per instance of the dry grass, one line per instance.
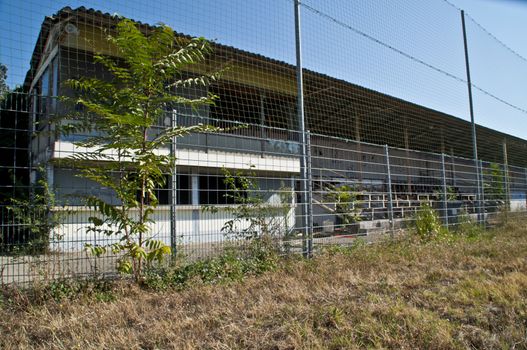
(461, 294)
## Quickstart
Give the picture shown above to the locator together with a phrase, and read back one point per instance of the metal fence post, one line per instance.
(506, 176)
(525, 172)
(173, 190)
(482, 181)
(445, 190)
(389, 179)
(302, 131)
(471, 107)
(309, 197)
(525, 188)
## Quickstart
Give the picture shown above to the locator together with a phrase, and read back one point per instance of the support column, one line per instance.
(173, 191)
(471, 106)
(359, 146)
(506, 177)
(445, 190)
(194, 185)
(389, 184)
(309, 196)
(482, 180)
(407, 158)
(307, 230)
(263, 135)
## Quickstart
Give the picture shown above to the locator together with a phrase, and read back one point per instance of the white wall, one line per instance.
(193, 227)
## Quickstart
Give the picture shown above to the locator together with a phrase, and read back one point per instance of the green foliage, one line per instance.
(58, 290)
(70, 289)
(259, 256)
(348, 249)
(345, 200)
(426, 223)
(466, 226)
(38, 217)
(122, 115)
(4, 89)
(253, 216)
(451, 194)
(493, 187)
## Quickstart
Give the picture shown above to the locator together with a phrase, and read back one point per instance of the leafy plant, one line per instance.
(493, 188)
(230, 266)
(451, 194)
(4, 89)
(121, 115)
(36, 219)
(466, 225)
(346, 202)
(427, 224)
(253, 216)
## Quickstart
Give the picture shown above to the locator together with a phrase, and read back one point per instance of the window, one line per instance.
(45, 91)
(55, 82)
(35, 107)
(184, 190)
(40, 93)
(214, 190)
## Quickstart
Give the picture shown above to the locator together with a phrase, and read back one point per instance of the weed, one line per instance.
(336, 249)
(467, 227)
(256, 257)
(427, 225)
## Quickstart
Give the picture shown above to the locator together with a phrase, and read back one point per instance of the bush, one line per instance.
(35, 220)
(466, 225)
(58, 290)
(427, 225)
(258, 256)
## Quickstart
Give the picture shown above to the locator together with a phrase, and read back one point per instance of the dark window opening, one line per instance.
(45, 91)
(214, 190)
(184, 191)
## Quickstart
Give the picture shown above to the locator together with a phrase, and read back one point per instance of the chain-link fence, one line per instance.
(331, 120)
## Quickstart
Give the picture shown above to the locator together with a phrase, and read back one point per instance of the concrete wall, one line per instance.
(194, 225)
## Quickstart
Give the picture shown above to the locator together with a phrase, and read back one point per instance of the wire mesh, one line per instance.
(387, 118)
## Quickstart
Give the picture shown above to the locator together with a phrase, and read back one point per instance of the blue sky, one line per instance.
(426, 31)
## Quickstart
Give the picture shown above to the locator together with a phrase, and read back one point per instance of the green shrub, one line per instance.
(427, 225)
(256, 257)
(36, 221)
(466, 226)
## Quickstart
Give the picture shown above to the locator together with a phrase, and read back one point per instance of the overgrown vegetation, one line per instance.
(14, 168)
(456, 294)
(4, 89)
(493, 186)
(253, 215)
(468, 226)
(346, 201)
(426, 223)
(122, 116)
(36, 221)
(233, 265)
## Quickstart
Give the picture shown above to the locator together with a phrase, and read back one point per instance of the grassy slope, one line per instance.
(399, 295)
